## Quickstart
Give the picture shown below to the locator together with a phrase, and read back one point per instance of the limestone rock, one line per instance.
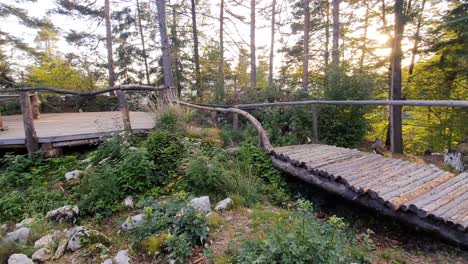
(122, 257)
(133, 222)
(48, 240)
(42, 255)
(25, 222)
(20, 235)
(107, 261)
(75, 235)
(19, 259)
(223, 205)
(128, 202)
(201, 204)
(73, 174)
(66, 213)
(60, 249)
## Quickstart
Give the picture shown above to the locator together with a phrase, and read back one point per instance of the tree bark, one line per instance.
(220, 88)
(145, 56)
(253, 57)
(417, 39)
(364, 40)
(32, 143)
(396, 138)
(305, 56)
(196, 58)
(272, 46)
(176, 51)
(165, 48)
(110, 59)
(110, 64)
(327, 36)
(336, 34)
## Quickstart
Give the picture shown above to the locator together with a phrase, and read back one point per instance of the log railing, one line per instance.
(264, 141)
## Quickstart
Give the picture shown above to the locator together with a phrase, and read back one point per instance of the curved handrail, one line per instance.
(91, 93)
(262, 134)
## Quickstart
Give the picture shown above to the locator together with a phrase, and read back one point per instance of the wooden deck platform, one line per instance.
(421, 194)
(65, 129)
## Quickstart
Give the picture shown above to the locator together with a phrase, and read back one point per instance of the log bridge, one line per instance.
(419, 194)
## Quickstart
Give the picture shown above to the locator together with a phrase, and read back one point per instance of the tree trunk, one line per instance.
(364, 39)
(305, 56)
(336, 34)
(396, 139)
(327, 36)
(253, 57)
(145, 56)
(195, 50)
(220, 88)
(32, 143)
(176, 51)
(165, 48)
(110, 64)
(110, 59)
(417, 38)
(272, 46)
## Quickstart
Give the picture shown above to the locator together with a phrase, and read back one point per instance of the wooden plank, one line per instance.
(371, 171)
(449, 209)
(399, 183)
(389, 166)
(420, 187)
(437, 193)
(444, 200)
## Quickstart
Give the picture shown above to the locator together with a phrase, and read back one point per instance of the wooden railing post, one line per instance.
(314, 124)
(235, 121)
(214, 119)
(32, 143)
(35, 102)
(123, 107)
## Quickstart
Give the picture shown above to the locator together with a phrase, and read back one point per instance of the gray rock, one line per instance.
(60, 249)
(133, 222)
(75, 235)
(25, 222)
(73, 174)
(20, 235)
(223, 205)
(122, 257)
(128, 202)
(42, 255)
(66, 213)
(108, 261)
(19, 259)
(48, 241)
(201, 204)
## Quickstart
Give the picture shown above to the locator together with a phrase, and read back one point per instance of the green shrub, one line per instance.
(168, 120)
(180, 248)
(112, 149)
(103, 188)
(8, 248)
(204, 176)
(166, 150)
(186, 226)
(297, 239)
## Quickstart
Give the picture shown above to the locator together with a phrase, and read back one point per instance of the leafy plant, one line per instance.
(180, 247)
(166, 150)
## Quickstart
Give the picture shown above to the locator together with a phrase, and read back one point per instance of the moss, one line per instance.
(214, 220)
(154, 244)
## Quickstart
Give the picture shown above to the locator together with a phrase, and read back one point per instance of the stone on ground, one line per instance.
(42, 255)
(223, 205)
(20, 235)
(122, 257)
(201, 204)
(26, 222)
(128, 202)
(67, 213)
(132, 222)
(19, 259)
(60, 249)
(73, 175)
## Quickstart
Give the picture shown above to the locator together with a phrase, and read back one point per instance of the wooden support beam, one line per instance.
(235, 121)
(31, 137)
(35, 102)
(214, 119)
(314, 124)
(123, 107)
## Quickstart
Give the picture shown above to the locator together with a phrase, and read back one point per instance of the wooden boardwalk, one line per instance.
(421, 194)
(64, 129)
